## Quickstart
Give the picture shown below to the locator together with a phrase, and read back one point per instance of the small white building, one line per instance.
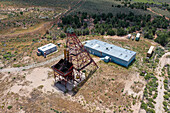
(129, 36)
(137, 36)
(150, 51)
(47, 49)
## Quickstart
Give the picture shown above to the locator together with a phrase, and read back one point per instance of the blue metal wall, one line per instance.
(113, 59)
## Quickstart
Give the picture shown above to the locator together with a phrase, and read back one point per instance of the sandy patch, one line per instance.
(136, 108)
(128, 84)
(1, 64)
(116, 37)
(162, 62)
(27, 59)
(21, 111)
(128, 89)
(96, 59)
(38, 77)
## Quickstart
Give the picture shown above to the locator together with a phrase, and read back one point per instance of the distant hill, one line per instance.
(100, 6)
(45, 3)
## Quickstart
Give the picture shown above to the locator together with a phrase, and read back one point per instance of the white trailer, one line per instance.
(150, 51)
(137, 37)
(129, 36)
(47, 49)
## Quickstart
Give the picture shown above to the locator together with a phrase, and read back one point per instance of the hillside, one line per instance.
(131, 50)
(89, 6)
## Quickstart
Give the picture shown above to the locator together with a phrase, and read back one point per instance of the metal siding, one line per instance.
(119, 61)
(94, 52)
(41, 52)
(110, 49)
(51, 50)
(113, 59)
(132, 59)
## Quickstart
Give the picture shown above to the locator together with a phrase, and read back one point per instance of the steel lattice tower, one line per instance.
(78, 55)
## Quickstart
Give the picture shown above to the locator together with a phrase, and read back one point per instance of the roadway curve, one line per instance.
(34, 65)
(159, 100)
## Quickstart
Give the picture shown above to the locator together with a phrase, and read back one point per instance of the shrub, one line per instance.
(166, 81)
(122, 90)
(16, 65)
(110, 32)
(166, 97)
(166, 86)
(150, 104)
(121, 32)
(143, 105)
(9, 107)
(21, 13)
(147, 77)
(150, 110)
(165, 103)
(155, 95)
(134, 102)
(165, 92)
(165, 108)
(145, 93)
(62, 35)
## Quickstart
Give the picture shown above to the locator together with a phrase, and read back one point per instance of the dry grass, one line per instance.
(103, 91)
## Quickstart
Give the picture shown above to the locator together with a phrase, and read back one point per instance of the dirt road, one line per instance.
(32, 65)
(163, 61)
(156, 13)
(47, 25)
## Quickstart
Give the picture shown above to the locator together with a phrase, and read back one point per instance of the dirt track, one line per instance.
(32, 65)
(46, 25)
(163, 61)
(149, 9)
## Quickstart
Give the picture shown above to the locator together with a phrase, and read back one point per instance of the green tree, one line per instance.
(85, 25)
(21, 13)
(110, 32)
(121, 32)
(163, 38)
(62, 35)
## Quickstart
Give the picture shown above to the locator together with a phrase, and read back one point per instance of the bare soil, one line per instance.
(159, 100)
(108, 89)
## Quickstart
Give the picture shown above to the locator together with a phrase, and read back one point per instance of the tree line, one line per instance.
(121, 24)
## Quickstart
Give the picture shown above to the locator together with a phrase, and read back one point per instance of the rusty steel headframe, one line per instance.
(78, 55)
(76, 60)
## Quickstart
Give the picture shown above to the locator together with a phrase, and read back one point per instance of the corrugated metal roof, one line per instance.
(110, 49)
(47, 47)
(138, 35)
(150, 49)
(129, 35)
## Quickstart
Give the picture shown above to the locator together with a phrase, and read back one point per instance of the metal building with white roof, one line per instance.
(150, 51)
(117, 54)
(47, 49)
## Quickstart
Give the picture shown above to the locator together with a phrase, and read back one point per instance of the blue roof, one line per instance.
(110, 49)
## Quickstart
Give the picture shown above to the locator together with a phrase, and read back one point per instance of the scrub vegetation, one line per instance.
(120, 25)
(26, 25)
